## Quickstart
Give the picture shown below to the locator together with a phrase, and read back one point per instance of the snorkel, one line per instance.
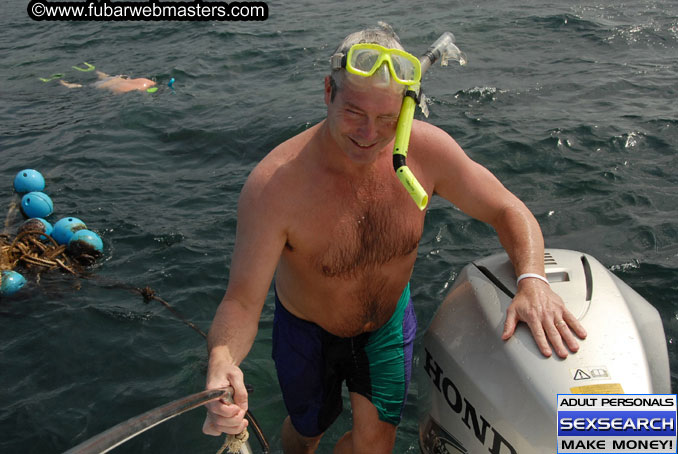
(170, 84)
(442, 49)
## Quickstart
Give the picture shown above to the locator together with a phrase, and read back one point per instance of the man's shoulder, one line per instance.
(277, 172)
(430, 141)
(288, 151)
(425, 131)
(266, 175)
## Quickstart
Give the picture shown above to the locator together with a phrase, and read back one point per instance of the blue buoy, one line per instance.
(36, 205)
(28, 180)
(85, 246)
(64, 229)
(12, 282)
(38, 224)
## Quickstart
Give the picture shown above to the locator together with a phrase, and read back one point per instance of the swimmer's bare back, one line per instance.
(116, 84)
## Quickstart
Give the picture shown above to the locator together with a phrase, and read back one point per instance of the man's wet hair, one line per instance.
(383, 34)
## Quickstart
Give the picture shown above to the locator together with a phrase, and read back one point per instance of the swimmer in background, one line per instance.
(116, 84)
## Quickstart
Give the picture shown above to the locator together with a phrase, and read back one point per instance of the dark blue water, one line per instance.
(571, 104)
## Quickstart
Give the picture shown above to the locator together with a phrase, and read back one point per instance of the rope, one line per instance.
(11, 214)
(149, 294)
(234, 443)
(28, 250)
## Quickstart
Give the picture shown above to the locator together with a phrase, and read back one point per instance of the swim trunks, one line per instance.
(312, 364)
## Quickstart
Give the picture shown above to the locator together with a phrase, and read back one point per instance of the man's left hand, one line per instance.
(546, 315)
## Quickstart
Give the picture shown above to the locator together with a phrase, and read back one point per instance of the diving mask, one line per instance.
(365, 59)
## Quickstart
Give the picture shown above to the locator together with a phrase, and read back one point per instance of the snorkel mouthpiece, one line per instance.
(444, 49)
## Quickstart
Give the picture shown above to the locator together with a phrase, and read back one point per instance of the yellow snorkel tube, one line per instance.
(444, 49)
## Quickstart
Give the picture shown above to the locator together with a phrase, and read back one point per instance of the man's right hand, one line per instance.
(222, 416)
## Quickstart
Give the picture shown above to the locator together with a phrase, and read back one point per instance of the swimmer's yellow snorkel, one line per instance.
(444, 49)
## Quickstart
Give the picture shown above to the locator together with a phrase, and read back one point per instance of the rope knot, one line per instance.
(233, 443)
(147, 293)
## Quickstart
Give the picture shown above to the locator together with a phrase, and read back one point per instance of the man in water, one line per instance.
(324, 214)
(116, 84)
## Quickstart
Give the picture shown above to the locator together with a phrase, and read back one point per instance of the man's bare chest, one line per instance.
(348, 236)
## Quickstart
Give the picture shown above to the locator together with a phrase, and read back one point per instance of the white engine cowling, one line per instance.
(488, 395)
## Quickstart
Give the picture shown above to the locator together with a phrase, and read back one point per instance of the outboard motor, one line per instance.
(488, 395)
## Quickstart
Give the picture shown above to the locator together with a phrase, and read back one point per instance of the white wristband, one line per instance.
(534, 275)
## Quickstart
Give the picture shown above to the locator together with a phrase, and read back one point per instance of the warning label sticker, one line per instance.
(590, 373)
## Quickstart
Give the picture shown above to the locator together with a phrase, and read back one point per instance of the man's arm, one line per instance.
(534, 303)
(260, 239)
(478, 193)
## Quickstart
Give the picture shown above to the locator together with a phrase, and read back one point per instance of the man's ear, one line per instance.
(329, 87)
